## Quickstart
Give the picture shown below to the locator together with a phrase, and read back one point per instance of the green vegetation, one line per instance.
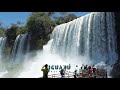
(2, 30)
(39, 26)
(65, 19)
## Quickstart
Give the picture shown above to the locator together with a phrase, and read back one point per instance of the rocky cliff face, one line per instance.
(117, 26)
(116, 67)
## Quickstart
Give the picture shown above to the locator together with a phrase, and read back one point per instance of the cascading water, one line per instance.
(91, 36)
(90, 39)
(2, 46)
(21, 47)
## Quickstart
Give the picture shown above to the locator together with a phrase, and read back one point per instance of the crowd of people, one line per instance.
(90, 72)
(84, 71)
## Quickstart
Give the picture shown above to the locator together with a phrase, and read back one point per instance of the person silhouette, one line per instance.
(45, 71)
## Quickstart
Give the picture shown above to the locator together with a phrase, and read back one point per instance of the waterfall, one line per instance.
(89, 39)
(2, 45)
(20, 48)
(92, 36)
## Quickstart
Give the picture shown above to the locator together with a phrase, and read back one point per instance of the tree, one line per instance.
(19, 23)
(55, 15)
(2, 30)
(69, 17)
(23, 29)
(59, 20)
(39, 26)
(11, 34)
(38, 23)
(65, 19)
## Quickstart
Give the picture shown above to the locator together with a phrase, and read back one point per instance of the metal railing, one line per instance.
(71, 75)
(67, 75)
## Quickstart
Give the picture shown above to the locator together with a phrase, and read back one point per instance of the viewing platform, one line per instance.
(83, 75)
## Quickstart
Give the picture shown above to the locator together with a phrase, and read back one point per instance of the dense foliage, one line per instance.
(41, 24)
(2, 30)
(39, 27)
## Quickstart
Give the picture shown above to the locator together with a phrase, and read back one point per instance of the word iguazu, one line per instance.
(59, 67)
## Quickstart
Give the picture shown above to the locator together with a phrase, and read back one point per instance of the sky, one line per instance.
(12, 17)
